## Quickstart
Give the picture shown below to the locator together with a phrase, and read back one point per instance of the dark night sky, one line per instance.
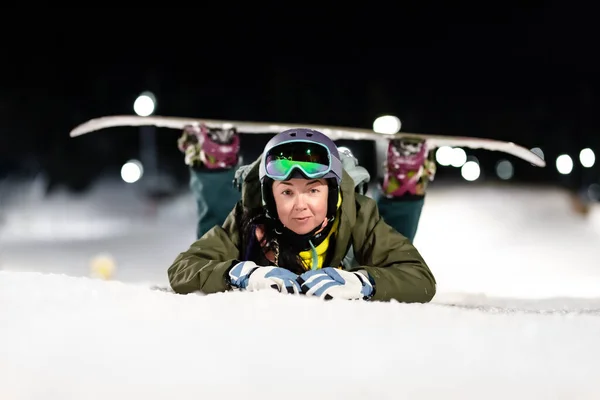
(527, 74)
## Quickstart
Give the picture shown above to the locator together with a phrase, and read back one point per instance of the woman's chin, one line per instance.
(302, 227)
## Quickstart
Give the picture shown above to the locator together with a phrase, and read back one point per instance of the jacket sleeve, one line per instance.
(204, 266)
(394, 264)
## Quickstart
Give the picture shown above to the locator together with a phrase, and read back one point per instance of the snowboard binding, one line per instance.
(409, 168)
(213, 148)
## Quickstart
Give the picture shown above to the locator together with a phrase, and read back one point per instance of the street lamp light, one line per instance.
(132, 171)
(470, 171)
(144, 105)
(387, 124)
(587, 158)
(564, 164)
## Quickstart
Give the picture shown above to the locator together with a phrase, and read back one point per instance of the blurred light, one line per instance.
(132, 171)
(504, 170)
(387, 124)
(102, 266)
(587, 158)
(459, 157)
(594, 192)
(444, 155)
(564, 164)
(144, 104)
(538, 152)
(470, 171)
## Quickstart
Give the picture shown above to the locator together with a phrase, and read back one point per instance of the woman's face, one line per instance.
(301, 203)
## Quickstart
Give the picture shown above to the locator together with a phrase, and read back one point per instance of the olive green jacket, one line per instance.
(394, 264)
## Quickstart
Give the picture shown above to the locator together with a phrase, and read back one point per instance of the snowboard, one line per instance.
(334, 132)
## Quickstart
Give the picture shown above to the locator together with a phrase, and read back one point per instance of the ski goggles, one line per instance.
(312, 159)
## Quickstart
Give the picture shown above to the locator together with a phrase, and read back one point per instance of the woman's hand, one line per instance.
(247, 275)
(331, 283)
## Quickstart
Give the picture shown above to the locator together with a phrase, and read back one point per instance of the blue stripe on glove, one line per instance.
(331, 283)
(285, 279)
(240, 273)
(249, 276)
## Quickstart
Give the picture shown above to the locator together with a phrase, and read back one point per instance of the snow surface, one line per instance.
(523, 269)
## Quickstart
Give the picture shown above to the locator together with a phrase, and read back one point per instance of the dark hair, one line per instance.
(283, 245)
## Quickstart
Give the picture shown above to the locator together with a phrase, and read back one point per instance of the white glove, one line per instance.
(249, 276)
(332, 283)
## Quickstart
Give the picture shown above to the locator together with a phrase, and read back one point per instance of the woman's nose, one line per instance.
(300, 204)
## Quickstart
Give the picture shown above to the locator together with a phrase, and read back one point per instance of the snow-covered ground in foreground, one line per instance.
(523, 267)
(77, 338)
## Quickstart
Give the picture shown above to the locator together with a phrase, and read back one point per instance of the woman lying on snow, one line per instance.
(301, 228)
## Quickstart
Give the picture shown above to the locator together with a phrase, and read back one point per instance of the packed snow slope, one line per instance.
(520, 266)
